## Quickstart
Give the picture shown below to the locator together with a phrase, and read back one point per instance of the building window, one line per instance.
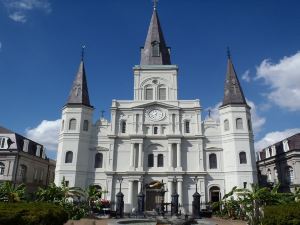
(243, 158)
(69, 157)
(42, 176)
(213, 161)
(162, 93)
(155, 49)
(2, 168)
(160, 160)
(67, 183)
(269, 175)
(226, 125)
(85, 125)
(98, 160)
(35, 175)
(275, 176)
(270, 152)
(289, 175)
(187, 127)
(123, 127)
(155, 130)
(72, 124)
(23, 173)
(249, 125)
(150, 160)
(2, 142)
(239, 123)
(149, 94)
(286, 145)
(62, 125)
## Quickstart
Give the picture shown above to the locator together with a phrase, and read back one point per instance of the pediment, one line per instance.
(155, 104)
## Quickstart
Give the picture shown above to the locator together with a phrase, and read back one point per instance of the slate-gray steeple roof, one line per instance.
(233, 93)
(155, 36)
(79, 94)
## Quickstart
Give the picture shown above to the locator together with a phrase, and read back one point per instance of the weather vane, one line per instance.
(82, 51)
(154, 4)
(228, 52)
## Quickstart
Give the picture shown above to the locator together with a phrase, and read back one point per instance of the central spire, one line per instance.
(155, 50)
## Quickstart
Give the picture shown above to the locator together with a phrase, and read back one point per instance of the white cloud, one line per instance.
(45, 133)
(246, 76)
(273, 137)
(214, 112)
(284, 80)
(18, 10)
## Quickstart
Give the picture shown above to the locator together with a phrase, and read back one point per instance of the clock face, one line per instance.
(155, 114)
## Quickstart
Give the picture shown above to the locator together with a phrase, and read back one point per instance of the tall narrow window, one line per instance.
(239, 123)
(72, 124)
(162, 93)
(99, 160)
(160, 160)
(213, 161)
(187, 126)
(35, 175)
(269, 175)
(63, 125)
(243, 158)
(226, 125)
(155, 130)
(23, 173)
(275, 176)
(289, 175)
(155, 48)
(85, 125)
(249, 125)
(2, 168)
(123, 127)
(150, 160)
(149, 94)
(69, 157)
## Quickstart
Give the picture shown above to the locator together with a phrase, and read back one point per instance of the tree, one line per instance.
(9, 193)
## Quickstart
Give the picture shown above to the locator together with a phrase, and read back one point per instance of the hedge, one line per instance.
(34, 213)
(285, 214)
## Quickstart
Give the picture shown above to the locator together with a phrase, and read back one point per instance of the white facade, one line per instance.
(156, 137)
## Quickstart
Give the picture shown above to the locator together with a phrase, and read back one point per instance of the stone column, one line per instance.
(131, 163)
(179, 167)
(140, 163)
(170, 157)
(179, 191)
(170, 189)
(130, 192)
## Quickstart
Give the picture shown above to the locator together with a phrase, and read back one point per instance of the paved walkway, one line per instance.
(216, 220)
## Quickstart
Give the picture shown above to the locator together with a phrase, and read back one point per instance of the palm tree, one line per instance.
(52, 193)
(9, 193)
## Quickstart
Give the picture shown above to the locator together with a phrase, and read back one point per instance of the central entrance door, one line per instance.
(152, 199)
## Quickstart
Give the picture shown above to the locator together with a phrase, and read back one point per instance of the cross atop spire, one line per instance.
(82, 52)
(155, 4)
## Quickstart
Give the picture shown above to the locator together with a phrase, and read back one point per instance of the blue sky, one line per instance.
(40, 44)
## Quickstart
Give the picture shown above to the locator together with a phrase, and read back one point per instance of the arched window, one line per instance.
(162, 93)
(99, 160)
(72, 124)
(63, 125)
(239, 123)
(155, 49)
(226, 125)
(149, 93)
(155, 130)
(289, 175)
(160, 160)
(187, 126)
(150, 160)
(269, 175)
(23, 173)
(85, 125)
(2, 168)
(243, 158)
(213, 161)
(123, 127)
(69, 157)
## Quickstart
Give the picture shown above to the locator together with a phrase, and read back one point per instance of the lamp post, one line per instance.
(174, 201)
(141, 201)
(162, 199)
(196, 201)
(120, 201)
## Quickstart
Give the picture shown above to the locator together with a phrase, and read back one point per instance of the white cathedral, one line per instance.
(157, 138)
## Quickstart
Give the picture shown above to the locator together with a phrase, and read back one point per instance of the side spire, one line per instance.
(155, 50)
(79, 94)
(233, 92)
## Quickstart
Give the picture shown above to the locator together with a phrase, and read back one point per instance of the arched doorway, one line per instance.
(215, 194)
(153, 195)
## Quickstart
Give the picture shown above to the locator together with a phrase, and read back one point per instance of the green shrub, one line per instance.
(285, 214)
(35, 213)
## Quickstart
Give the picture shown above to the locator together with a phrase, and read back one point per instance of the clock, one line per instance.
(155, 114)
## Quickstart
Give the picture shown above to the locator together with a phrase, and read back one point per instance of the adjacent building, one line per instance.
(24, 161)
(280, 163)
(156, 138)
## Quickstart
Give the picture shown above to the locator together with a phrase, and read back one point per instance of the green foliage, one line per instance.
(9, 193)
(35, 213)
(285, 214)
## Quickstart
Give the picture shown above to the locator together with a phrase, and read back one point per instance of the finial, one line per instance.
(102, 113)
(228, 52)
(209, 113)
(82, 51)
(154, 4)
